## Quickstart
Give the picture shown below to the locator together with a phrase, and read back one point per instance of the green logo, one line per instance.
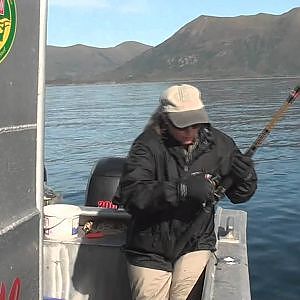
(8, 24)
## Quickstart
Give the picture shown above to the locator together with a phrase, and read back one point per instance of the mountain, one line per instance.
(218, 47)
(208, 47)
(80, 63)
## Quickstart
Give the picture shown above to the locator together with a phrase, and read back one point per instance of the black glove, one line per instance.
(242, 166)
(197, 188)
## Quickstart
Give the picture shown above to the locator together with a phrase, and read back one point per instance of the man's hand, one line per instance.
(198, 188)
(242, 166)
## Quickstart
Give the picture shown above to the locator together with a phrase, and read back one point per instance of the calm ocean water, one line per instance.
(88, 122)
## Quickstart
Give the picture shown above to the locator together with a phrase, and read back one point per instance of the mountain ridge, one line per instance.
(211, 47)
(80, 63)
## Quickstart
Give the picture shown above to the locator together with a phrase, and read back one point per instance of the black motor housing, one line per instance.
(104, 180)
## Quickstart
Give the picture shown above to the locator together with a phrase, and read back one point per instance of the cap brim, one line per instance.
(188, 118)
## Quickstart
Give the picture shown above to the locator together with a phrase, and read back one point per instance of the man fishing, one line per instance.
(167, 187)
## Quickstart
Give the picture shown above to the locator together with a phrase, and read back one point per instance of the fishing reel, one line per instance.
(219, 189)
(219, 192)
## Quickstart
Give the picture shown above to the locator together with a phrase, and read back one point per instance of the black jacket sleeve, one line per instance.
(242, 189)
(139, 191)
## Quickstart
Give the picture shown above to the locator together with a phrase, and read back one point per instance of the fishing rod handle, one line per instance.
(223, 187)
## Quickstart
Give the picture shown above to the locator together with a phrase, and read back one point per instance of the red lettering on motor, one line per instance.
(107, 204)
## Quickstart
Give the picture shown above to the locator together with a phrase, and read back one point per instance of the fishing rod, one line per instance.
(222, 184)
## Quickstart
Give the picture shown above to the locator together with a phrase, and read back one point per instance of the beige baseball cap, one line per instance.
(183, 105)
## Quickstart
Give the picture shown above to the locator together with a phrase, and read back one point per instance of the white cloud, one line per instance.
(122, 6)
(133, 6)
(80, 4)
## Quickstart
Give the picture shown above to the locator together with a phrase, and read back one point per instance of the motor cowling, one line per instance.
(104, 181)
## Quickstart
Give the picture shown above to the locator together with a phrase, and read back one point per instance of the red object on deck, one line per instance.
(95, 235)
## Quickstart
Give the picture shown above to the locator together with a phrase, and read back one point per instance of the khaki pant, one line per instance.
(152, 284)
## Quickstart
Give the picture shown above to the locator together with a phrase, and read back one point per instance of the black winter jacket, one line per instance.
(160, 228)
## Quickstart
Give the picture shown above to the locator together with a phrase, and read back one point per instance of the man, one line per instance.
(166, 186)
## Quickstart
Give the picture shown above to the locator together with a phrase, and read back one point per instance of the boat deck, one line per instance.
(96, 268)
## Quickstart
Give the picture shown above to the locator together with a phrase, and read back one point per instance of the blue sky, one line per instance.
(107, 23)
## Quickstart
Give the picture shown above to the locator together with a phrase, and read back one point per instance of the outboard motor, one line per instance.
(104, 181)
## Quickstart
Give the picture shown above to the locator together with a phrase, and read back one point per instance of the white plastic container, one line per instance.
(61, 221)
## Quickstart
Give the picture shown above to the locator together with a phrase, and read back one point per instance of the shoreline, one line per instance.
(176, 80)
